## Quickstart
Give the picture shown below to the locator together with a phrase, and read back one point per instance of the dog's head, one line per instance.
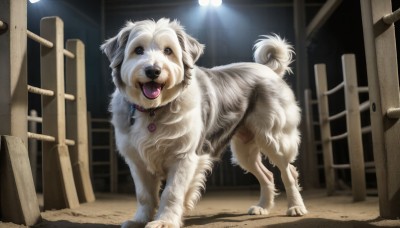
(152, 61)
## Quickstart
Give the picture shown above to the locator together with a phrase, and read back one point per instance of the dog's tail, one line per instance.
(275, 53)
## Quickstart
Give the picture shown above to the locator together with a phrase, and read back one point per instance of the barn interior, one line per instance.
(321, 32)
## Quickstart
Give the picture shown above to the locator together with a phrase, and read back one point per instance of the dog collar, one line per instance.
(152, 112)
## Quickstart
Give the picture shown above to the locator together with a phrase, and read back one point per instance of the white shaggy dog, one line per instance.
(173, 119)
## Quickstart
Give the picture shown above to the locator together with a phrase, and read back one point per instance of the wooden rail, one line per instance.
(354, 130)
(63, 184)
(383, 83)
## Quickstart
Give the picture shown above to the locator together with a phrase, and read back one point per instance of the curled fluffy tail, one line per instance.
(275, 53)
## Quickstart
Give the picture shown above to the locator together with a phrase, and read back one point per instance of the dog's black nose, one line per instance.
(152, 72)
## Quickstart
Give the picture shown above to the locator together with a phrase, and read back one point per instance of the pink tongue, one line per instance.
(151, 90)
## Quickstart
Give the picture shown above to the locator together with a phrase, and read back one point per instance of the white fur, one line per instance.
(196, 115)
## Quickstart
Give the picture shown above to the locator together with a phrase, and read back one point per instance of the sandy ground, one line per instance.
(228, 209)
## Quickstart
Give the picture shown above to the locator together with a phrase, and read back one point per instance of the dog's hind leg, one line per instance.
(247, 155)
(289, 173)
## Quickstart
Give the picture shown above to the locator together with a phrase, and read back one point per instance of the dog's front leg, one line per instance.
(171, 207)
(147, 186)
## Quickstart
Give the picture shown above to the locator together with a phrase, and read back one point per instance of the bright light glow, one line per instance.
(33, 1)
(216, 3)
(204, 2)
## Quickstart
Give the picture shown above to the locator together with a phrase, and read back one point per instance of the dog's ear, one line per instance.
(194, 48)
(191, 49)
(114, 48)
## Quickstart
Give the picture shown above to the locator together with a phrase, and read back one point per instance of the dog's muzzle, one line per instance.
(152, 72)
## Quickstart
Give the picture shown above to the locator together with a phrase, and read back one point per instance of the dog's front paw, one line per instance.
(297, 211)
(257, 210)
(161, 224)
(132, 224)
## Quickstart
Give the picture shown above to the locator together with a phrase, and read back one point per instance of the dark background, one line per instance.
(228, 33)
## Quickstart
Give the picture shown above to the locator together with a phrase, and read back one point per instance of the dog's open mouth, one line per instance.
(151, 90)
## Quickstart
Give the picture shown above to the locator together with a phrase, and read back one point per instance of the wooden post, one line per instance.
(33, 146)
(383, 83)
(58, 187)
(322, 87)
(354, 138)
(310, 158)
(113, 162)
(77, 120)
(13, 70)
(18, 202)
(18, 199)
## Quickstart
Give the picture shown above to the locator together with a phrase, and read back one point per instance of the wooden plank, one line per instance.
(66, 174)
(354, 138)
(323, 107)
(18, 199)
(53, 112)
(311, 179)
(113, 162)
(322, 16)
(33, 145)
(302, 78)
(383, 83)
(77, 120)
(13, 70)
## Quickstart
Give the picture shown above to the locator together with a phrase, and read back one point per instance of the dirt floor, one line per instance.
(228, 209)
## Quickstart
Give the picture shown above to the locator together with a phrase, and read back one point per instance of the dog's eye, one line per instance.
(139, 50)
(167, 51)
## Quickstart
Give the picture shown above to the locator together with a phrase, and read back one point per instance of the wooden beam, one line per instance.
(13, 70)
(57, 186)
(323, 107)
(353, 121)
(18, 199)
(321, 17)
(311, 177)
(76, 116)
(383, 83)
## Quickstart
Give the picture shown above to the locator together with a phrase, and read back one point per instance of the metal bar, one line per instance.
(39, 39)
(316, 123)
(41, 137)
(393, 113)
(392, 17)
(69, 97)
(337, 116)
(334, 90)
(341, 136)
(35, 119)
(40, 91)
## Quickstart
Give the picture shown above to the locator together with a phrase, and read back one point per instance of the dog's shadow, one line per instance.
(220, 217)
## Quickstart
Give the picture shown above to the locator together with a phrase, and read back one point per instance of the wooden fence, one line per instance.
(66, 180)
(383, 82)
(354, 131)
